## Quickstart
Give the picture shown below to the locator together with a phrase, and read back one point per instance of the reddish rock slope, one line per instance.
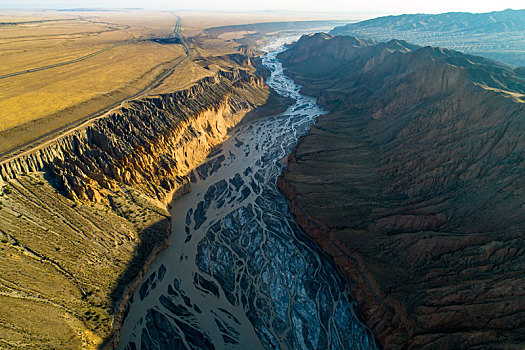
(415, 184)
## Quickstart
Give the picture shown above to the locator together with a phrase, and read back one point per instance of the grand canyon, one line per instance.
(187, 178)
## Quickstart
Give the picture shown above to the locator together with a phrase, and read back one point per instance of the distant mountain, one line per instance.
(498, 35)
(414, 183)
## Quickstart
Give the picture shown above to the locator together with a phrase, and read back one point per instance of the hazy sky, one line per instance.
(338, 6)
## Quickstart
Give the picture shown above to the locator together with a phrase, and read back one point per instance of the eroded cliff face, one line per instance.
(82, 214)
(150, 143)
(414, 184)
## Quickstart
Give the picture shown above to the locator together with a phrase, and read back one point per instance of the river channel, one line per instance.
(240, 273)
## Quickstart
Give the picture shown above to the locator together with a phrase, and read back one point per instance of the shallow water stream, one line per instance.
(240, 273)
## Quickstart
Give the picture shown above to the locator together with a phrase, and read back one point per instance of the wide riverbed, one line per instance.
(240, 273)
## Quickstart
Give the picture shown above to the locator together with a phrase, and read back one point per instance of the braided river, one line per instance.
(240, 273)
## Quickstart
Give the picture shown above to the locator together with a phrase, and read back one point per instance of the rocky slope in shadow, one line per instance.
(80, 216)
(414, 185)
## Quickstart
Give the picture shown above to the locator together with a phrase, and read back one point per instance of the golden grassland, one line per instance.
(35, 44)
(184, 76)
(35, 103)
(34, 95)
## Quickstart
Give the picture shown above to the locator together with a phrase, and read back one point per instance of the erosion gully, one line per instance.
(240, 273)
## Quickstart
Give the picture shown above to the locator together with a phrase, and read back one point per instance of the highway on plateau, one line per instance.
(71, 127)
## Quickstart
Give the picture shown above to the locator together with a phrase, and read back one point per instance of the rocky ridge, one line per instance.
(414, 185)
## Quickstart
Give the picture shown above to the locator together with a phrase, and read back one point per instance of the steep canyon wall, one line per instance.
(82, 213)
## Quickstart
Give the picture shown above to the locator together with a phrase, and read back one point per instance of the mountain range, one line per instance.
(414, 184)
(498, 35)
